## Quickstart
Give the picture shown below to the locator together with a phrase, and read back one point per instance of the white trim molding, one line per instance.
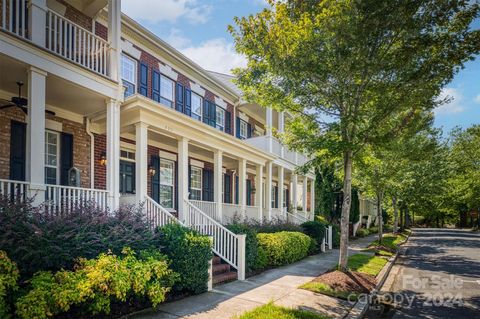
(197, 89)
(167, 71)
(128, 48)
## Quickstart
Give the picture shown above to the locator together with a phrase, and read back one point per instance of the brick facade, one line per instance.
(81, 142)
(77, 16)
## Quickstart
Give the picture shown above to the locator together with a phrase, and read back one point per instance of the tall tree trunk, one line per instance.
(347, 200)
(395, 214)
(380, 216)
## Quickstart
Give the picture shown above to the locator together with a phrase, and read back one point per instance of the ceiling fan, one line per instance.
(18, 101)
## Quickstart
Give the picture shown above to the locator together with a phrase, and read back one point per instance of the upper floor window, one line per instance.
(243, 129)
(220, 118)
(166, 90)
(128, 73)
(197, 103)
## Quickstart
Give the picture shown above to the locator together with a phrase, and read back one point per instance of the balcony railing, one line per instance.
(209, 208)
(64, 199)
(62, 36)
(272, 145)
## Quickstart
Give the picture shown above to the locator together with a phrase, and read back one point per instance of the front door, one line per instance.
(18, 133)
(127, 177)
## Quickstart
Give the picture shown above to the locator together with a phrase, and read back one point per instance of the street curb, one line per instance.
(360, 307)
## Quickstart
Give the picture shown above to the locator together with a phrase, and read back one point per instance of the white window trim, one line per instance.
(135, 70)
(246, 129)
(221, 128)
(173, 181)
(201, 106)
(57, 167)
(163, 76)
(201, 180)
(126, 159)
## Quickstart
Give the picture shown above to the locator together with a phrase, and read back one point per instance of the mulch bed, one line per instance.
(350, 281)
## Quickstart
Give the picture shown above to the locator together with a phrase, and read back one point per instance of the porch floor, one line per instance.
(278, 285)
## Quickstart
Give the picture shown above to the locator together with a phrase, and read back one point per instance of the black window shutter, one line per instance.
(18, 144)
(236, 190)
(213, 114)
(143, 83)
(175, 191)
(207, 185)
(249, 192)
(238, 127)
(188, 102)
(155, 162)
(66, 157)
(180, 93)
(189, 181)
(287, 197)
(227, 192)
(228, 122)
(276, 196)
(249, 130)
(206, 112)
(155, 86)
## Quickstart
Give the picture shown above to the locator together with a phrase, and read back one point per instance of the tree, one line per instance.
(352, 73)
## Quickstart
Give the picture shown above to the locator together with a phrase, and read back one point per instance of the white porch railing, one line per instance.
(76, 44)
(253, 212)
(229, 246)
(209, 208)
(60, 198)
(296, 218)
(14, 17)
(328, 240)
(230, 211)
(279, 213)
(13, 189)
(157, 215)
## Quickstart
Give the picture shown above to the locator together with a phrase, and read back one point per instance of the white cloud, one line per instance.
(215, 55)
(177, 39)
(454, 103)
(477, 99)
(167, 10)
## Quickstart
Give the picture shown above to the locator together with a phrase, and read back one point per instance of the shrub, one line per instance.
(373, 230)
(266, 226)
(284, 247)
(95, 284)
(190, 253)
(315, 230)
(335, 236)
(362, 232)
(8, 282)
(37, 241)
(251, 245)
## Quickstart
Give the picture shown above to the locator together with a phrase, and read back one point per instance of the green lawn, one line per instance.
(271, 311)
(366, 264)
(325, 289)
(391, 241)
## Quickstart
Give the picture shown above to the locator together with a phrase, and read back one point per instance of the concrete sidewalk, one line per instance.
(278, 285)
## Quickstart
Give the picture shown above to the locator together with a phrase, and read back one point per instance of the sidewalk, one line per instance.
(278, 285)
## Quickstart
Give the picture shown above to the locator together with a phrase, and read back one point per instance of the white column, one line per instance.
(113, 152)
(304, 194)
(242, 185)
(141, 163)
(312, 198)
(37, 21)
(114, 32)
(182, 177)
(36, 134)
(268, 190)
(281, 172)
(217, 183)
(269, 125)
(294, 191)
(259, 191)
(281, 129)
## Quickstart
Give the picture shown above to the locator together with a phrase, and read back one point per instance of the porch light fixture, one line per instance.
(103, 159)
(151, 170)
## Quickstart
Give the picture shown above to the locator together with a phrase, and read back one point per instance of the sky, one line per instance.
(198, 28)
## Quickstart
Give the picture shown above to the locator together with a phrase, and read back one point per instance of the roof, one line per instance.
(227, 80)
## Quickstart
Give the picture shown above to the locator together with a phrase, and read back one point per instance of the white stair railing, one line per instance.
(157, 215)
(227, 245)
(14, 17)
(62, 199)
(76, 44)
(209, 208)
(296, 218)
(14, 190)
(328, 240)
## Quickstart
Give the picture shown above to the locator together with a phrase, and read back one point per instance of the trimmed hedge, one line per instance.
(190, 253)
(284, 248)
(9, 275)
(253, 260)
(315, 230)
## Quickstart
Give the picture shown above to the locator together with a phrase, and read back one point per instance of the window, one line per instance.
(127, 177)
(128, 155)
(243, 129)
(197, 102)
(285, 195)
(51, 157)
(128, 73)
(195, 183)
(166, 90)
(220, 118)
(167, 178)
(273, 196)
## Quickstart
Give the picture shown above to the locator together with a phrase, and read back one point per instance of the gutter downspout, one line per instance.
(92, 152)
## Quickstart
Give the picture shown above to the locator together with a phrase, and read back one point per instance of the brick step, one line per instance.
(225, 277)
(220, 268)
(217, 260)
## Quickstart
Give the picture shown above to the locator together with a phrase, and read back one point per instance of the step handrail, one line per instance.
(299, 218)
(226, 244)
(158, 215)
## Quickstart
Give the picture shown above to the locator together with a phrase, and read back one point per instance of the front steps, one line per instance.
(222, 272)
